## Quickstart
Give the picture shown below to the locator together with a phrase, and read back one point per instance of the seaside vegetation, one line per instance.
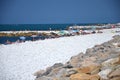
(93, 28)
(18, 34)
(49, 34)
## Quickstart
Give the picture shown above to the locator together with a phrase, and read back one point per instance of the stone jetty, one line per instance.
(101, 62)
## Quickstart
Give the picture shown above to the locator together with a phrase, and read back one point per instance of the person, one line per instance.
(93, 32)
(8, 42)
(18, 41)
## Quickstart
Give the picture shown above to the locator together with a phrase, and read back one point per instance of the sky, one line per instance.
(59, 11)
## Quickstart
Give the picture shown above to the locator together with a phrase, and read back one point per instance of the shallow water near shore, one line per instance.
(3, 40)
(32, 27)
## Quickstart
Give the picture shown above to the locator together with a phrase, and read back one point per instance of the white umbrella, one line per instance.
(33, 36)
(22, 38)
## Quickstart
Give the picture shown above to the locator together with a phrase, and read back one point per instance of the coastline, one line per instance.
(11, 37)
(101, 62)
(37, 55)
(27, 31)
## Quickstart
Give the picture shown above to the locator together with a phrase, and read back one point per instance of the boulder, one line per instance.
(102, 62)
(75, 60)
(83, 76)
(80, 76)
(44, 78)
(62, 78)
(116, 36)
(68, 65)
(104, 74)
(108, 45)
(66, 72)
(54, 71)
(111, 62)
(91, 68)
(49, 69)
(118, 45)
(60, 73)
(116, 39)
(56, 65)
(89, 51)
(103, 56)
(115, 78)
(115, 73)
(39, 73)
(71, 72)
(94, 77)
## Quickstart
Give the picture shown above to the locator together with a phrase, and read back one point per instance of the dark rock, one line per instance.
(39, 73)
(75, 60)
(44, 78)
(115, 73)
(70, 72)
(63, 78)
(104, 74)
(49, 69)
(115, 78)
(56, 65)
(54, 72)
(68, 65)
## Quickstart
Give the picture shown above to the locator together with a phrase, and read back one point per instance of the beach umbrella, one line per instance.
(63, 32)
(60, 33)
(33, 36)
(22, 38)
(74, 31)
(70, 28)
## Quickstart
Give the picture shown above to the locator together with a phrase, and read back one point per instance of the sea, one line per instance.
(19, 27)
(33, 27)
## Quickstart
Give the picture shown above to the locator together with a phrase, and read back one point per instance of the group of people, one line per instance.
(18, 41)
(52, 35)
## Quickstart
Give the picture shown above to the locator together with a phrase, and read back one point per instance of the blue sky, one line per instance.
(59, 11)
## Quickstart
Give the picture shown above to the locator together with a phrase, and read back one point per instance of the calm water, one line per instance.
(19, 27)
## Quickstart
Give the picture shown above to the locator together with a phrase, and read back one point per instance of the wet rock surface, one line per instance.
(102, 62)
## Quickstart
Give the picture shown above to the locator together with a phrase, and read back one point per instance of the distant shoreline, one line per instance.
(44, 27)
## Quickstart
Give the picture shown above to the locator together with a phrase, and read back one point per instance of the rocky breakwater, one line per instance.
(102, 62)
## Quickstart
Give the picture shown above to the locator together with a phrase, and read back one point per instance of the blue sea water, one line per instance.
(18, 27)
(32, 27)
